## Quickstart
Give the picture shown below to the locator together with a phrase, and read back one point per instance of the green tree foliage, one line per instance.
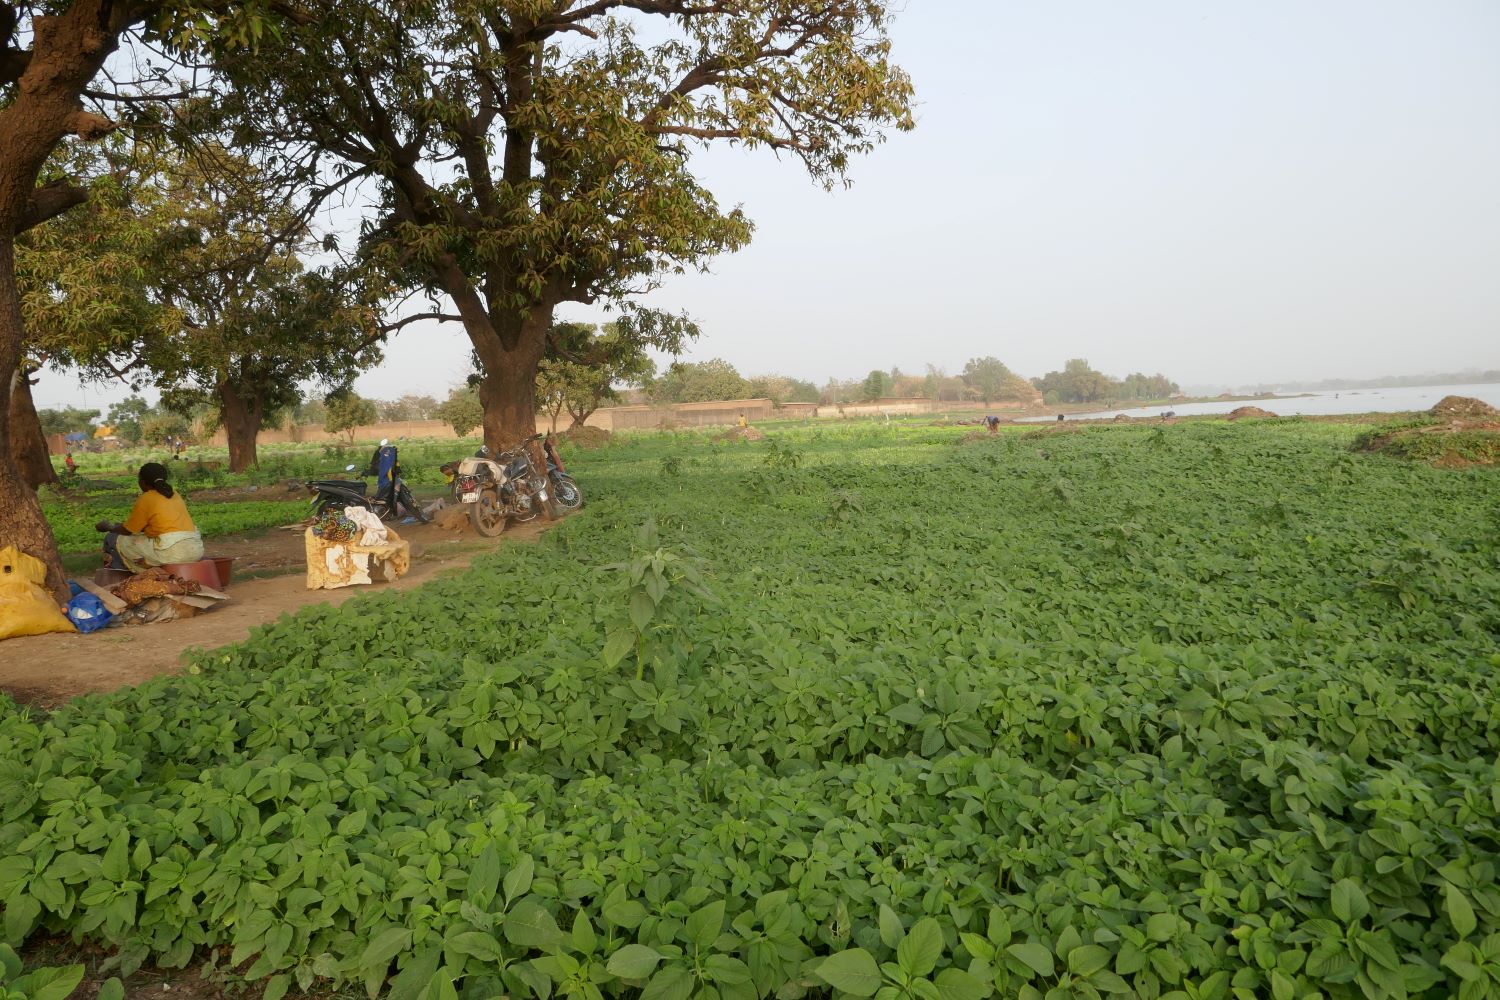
(126, 417)
(461, 410)
(68, 420)
(781, 389)
(531, 154)
(163, 424)
(85, 278)
(312, 410)
(225, 312)
(347, 411)
(876, 385)
(988, 379)
(409, 407)
(698, 382)
(1077, 383)
(255, 322)
(50, 55)
(1140, 386)
(584, 364)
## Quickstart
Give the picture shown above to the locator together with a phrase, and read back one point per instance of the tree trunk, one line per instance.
(507, 387)
(21, 521)
(241, 422)
(28, 445)
(68, 50)
(510, 356)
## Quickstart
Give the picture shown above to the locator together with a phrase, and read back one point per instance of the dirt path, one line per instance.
(49, 669)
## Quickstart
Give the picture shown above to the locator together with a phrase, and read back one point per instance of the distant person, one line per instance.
(993, 423)
(743, 422)
(158, 531)
(70, 465)
(177, 445)
(1059, 418)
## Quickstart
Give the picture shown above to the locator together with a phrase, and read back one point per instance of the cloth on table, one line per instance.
(375, 533)
(334, 564)
(333, 526)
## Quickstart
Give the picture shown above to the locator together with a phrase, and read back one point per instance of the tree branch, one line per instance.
(441, 317)
(48, 201)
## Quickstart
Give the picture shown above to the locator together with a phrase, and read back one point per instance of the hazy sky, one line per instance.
(1224, 192)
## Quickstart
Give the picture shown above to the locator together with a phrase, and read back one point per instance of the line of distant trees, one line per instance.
(580, 389)
(1472, 377)
(985, 380)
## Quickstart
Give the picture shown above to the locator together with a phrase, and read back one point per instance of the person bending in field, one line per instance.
(158, 531)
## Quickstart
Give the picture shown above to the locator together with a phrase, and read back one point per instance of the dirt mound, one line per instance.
(586, 437)
(740, 434)
(1457, 444)
(1463, 406)
(1052, 430)
(1122, 418)
(1246, 412)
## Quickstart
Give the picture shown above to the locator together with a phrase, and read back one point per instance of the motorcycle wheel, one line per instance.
(410, 504)
(566, 496)
(485, 514)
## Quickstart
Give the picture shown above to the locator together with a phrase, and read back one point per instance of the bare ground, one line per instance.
(47, 670)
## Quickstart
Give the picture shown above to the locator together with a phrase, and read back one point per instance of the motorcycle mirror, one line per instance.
(348, 468)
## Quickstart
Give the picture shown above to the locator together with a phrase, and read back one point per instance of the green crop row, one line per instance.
(73, 520)
(1191, 712)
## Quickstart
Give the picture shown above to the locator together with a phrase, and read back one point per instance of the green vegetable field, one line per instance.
(1190, 711)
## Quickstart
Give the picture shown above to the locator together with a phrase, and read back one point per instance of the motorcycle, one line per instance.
(352, 493)
(508, 487)
(566, 496)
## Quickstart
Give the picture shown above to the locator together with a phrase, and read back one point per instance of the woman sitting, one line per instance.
(158, 530)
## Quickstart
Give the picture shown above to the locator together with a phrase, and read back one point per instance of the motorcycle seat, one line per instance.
(357, 485)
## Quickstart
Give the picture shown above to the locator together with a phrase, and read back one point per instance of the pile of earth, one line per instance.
(1122, 418)
(1249, 412)
(1456, 444)
(740, 434)
(1463, 407)
(586, 437)
(453, 518)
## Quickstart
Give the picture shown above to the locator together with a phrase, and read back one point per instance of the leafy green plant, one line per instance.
(653, 572)
(781, 454)
(1158, 741)
(54, 983)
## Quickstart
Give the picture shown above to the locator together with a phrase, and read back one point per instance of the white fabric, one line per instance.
(352, 568)
(374, 532)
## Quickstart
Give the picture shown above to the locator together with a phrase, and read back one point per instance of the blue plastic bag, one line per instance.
(87, 612)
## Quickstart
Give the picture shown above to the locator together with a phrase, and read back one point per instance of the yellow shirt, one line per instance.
(155, 515)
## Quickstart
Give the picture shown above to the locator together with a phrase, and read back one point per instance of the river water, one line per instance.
(1415, 397)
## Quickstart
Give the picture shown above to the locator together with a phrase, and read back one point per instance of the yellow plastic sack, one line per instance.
(26, 606)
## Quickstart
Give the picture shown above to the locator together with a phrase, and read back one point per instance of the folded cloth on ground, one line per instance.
(154, 582)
